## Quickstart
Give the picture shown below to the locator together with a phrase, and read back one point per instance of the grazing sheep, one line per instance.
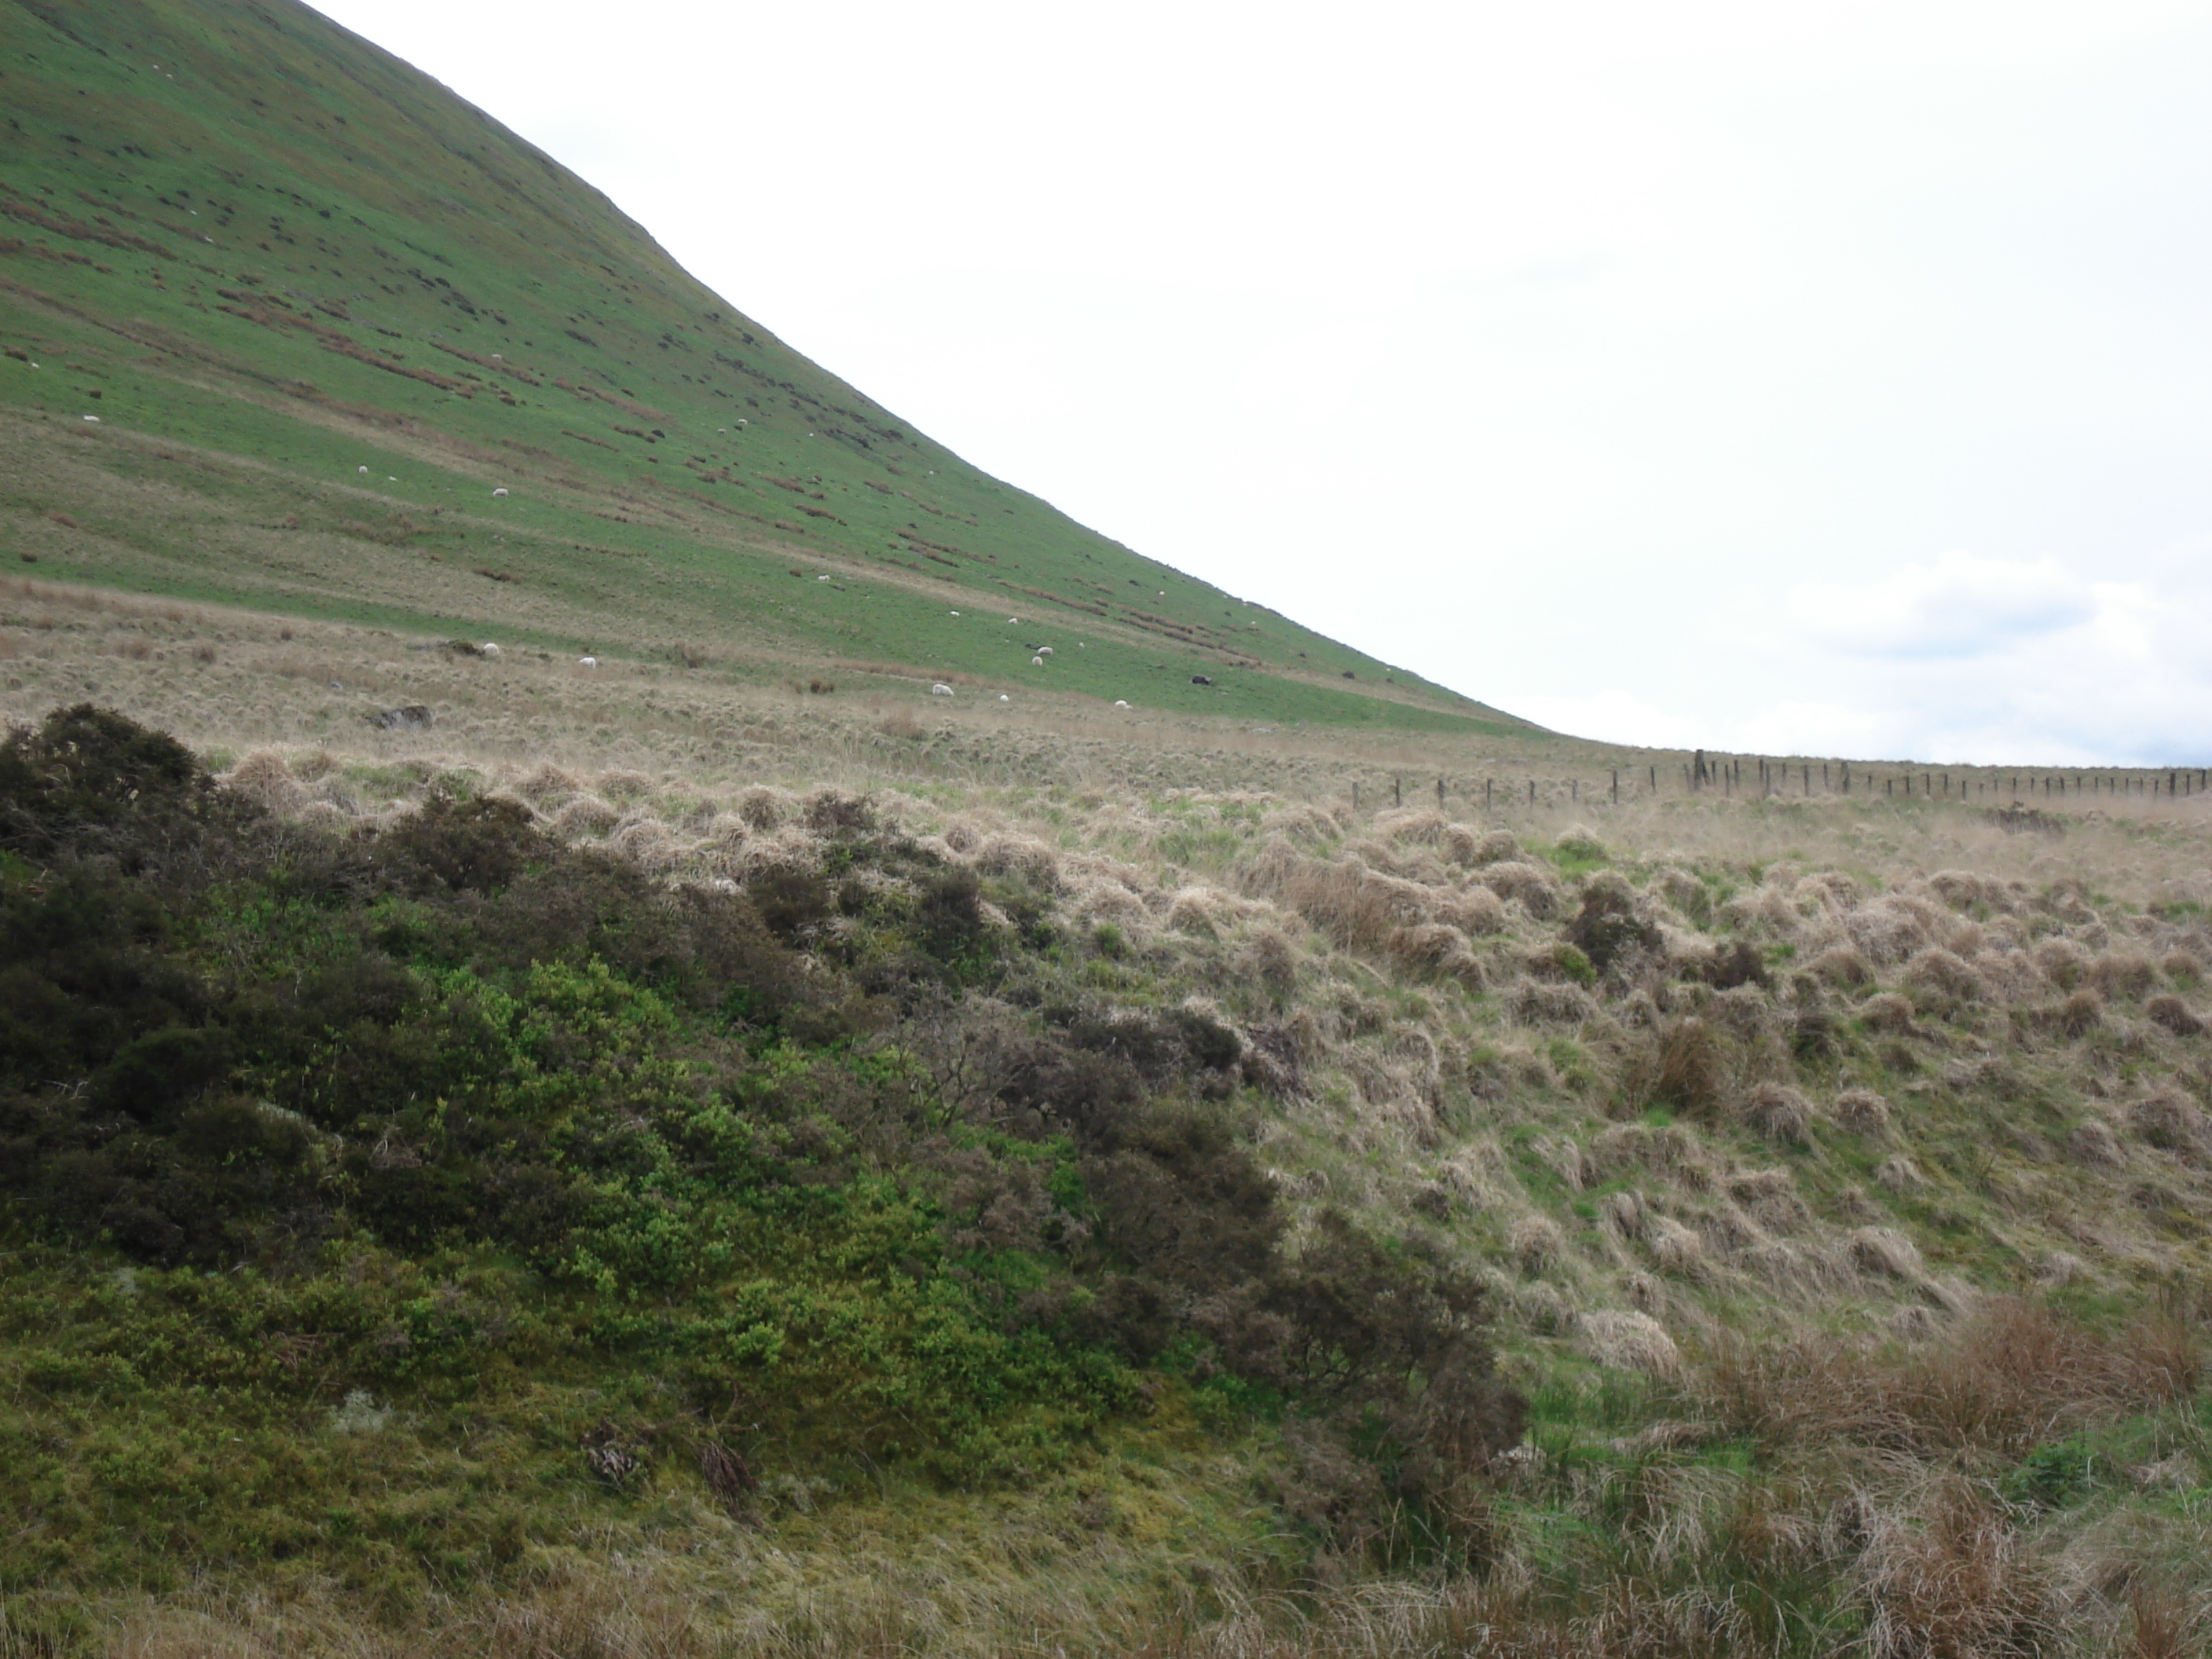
(587, 662)
(1044, 651)
(1013, 621)
(1003, 697)
(1200, 679)
(498, 495)
(487, 649)
(1036, 662)
(363, 469)
(1118, 703)
(822, 579)
(940, 691)
(952, 613)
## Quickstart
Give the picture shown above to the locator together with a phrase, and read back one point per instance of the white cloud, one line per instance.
(1959, 606)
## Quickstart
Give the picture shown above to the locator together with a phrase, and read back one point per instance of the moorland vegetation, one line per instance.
(716, 1149)
(540, 1209)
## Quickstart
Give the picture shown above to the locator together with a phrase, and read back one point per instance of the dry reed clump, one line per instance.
(2171, 1121)
(1687, 1064)
(646, 841)
(2010, 1374)
(1769, 1197)
(1777, 1112)
(1539, 1002)
(1622, 1215)
(1962, 890)
(262, 776)
(767, 808)
(1887, 1011)
(586, 815)
(1675, 1248)
(1676, 886)
(1537, 1243)
(2063, 962)
(1949, 1579)
(1892, 927)
(1299, 822)
(1844, 966)
(1514, 882)
(1422, 825)
(1900, 1174)
(623, 783)
(2122, 974)
(1944, 973)
(1435, 947)
(1631, 1342)
(2092, 1144)
(1205, 911)
(1024, 856)
(1885, 1253)
(2182, 967)
(1579, 841)
(2170, 1013)
(1098, 900)
(1475, 911)
(1863, 1112)
(2081, 1013)
(546, 780)
(1458, 844)
(1497, 846)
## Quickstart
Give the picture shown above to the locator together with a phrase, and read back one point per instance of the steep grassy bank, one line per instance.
(281, 316)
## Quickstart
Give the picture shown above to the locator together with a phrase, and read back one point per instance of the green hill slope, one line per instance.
(322, 309)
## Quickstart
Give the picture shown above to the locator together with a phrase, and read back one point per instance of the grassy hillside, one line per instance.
(320, 310)
(976, 1193)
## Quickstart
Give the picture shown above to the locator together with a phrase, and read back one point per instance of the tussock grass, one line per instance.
(1824, 1099)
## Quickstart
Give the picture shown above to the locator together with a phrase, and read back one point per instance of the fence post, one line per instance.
(1575, 790)
(1396, 798)
(1531, 791)
(1485, 794)
(1440, 794)
(1355, 794)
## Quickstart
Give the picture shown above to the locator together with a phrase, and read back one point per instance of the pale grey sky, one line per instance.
(1828, 376)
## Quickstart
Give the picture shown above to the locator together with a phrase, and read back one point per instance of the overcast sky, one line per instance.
(1819, 377)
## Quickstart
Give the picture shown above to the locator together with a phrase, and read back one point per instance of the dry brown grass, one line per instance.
(2009, 1379)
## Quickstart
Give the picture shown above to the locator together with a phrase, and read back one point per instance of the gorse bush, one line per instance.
(440, 1114)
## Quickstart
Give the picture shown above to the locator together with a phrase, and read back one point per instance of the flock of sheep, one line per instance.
(1039, 653)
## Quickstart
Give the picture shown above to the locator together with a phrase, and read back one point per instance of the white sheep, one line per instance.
(1118, 703)
(940, 691)
(1003, 697)
(587, 662)
(1036, 662)
(499, 494)
(487, 649)
(1044, 651)
(1013, 621)
(363, 469)
(821, 579)
(954, 613)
